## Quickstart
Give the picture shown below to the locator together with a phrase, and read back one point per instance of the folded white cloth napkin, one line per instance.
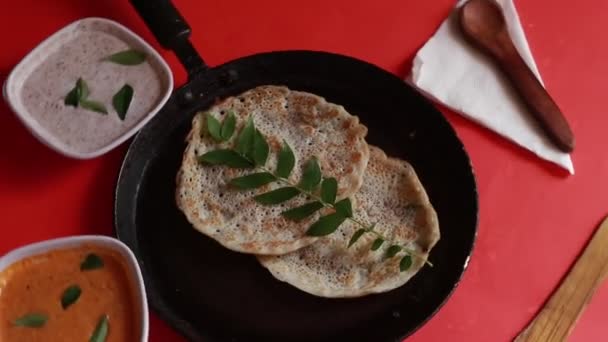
(456, 74)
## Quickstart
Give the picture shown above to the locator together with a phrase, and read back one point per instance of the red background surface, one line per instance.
(534, 219)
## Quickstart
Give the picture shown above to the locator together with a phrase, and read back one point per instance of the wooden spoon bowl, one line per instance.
(483, 24)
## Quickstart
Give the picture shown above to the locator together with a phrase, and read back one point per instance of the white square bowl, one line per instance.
(134, 272)
(13, 86)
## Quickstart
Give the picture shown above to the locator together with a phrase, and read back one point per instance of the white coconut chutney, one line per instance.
(53, 69)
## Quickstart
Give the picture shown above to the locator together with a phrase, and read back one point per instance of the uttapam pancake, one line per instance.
(391, 196)
(311, 126)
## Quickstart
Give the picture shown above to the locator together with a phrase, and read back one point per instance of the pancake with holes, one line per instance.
(392, 197)
(311, 126)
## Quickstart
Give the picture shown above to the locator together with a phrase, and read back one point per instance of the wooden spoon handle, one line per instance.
(559, 315)
(538, 101)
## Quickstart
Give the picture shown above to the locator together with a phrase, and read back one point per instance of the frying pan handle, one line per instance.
(171, 31)
(163, 19)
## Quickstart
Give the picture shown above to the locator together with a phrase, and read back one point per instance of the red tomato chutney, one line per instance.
(69, 295)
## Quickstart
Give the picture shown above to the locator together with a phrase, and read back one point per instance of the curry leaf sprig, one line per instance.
(251, 151)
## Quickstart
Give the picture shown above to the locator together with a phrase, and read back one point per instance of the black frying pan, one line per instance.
(209, 293)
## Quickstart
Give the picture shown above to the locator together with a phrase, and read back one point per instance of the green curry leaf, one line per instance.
(260, 149)
(329, 190)
(303, 211)
(252, 181)
(377, 243)
(356, 236)
(393, 250)
(91, 262)
(225, 157)
(277, 196)
(244, 143)
(127, 57)
(70, 296)
(344, 207)
(311, 176)
(94, 106)
(405, 263)
(214, 127)
(286, 161)
(228, 126)
(326, 225)
(32, 320)
(101, 331)
(122, 100)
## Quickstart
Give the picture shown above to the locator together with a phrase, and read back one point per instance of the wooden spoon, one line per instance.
(559, 315)
(484, 25)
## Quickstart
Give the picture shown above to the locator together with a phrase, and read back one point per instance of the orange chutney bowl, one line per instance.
(77, 288)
